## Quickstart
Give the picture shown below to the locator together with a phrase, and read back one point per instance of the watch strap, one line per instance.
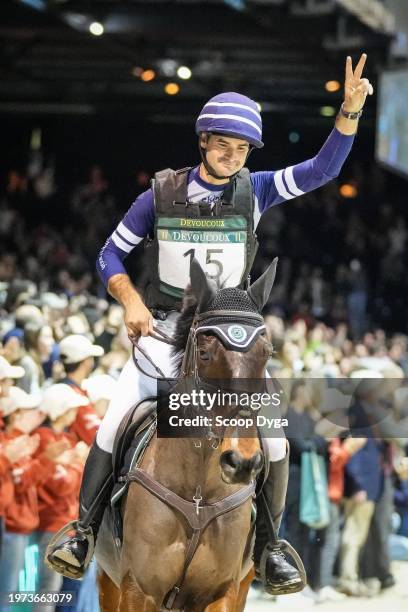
(354, 116)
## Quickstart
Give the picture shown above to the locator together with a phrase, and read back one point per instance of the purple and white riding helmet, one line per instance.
(234, 115)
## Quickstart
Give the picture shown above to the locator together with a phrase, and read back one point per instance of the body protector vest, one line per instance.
(220, 236)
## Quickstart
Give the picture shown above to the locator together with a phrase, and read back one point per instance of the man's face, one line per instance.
(224, 154)
(89, 364)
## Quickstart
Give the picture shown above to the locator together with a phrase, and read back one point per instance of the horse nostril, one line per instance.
(231, 459)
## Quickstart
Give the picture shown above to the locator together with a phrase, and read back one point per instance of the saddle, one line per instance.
(132, 438)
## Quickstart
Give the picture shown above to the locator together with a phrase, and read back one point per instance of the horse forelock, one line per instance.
(183, 326)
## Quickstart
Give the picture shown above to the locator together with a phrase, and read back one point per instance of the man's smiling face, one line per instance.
(224, 154)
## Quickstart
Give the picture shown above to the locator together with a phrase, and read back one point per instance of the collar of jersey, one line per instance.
(195, 176)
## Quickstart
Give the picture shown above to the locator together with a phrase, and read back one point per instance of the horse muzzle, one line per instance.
(236, 469)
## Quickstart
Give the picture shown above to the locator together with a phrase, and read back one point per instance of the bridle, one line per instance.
(212, 321)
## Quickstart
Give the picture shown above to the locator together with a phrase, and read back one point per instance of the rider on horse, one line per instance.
(209, 212)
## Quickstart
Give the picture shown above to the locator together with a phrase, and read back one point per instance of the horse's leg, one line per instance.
(133, 599)
(243, 590)
(109, 594)
(226, 603)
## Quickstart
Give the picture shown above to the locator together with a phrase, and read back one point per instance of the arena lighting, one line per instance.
(327, 111)
(183, 72)
(348, 191)
(96, 28)
(332, 86)
(171, 89)
(148, 75)
(168, 67)
(294, 137)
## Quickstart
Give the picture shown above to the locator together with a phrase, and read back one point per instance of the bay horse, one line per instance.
(167, 561)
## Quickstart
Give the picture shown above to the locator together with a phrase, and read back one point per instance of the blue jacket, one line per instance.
(364, 471)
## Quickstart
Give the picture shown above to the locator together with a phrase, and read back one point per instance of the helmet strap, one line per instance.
(209, 168)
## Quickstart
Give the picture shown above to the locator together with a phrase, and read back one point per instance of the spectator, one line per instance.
(77, 355)
(362, 489)
(302, 438)
(21, 514)
(63, 460)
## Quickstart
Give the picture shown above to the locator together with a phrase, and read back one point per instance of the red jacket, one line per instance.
(22, 512)
(339, 456)
(87, 421)
(86, 424)
(58, 495)
(6, 481)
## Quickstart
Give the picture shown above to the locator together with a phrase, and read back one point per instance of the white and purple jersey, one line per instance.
(270, 188)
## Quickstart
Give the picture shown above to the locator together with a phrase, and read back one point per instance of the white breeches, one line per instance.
(134, 386)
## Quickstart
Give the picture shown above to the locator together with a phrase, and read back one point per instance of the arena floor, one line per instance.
(394, 599)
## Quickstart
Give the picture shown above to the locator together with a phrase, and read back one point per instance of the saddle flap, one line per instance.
(132, 422)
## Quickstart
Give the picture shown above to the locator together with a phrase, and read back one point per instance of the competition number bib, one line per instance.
(219, 245)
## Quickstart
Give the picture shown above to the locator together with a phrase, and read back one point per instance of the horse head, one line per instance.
(227, 342)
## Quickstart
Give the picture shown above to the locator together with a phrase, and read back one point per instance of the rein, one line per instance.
(157, 334)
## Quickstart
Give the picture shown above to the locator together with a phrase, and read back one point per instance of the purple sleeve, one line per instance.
(135, 225)
(275, 187)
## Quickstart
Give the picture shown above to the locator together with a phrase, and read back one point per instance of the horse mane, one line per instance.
(183, 326)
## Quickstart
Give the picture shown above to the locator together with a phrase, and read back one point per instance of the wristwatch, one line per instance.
(353, 116)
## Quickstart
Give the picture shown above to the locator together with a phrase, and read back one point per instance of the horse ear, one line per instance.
(260, 290)
(201, 287)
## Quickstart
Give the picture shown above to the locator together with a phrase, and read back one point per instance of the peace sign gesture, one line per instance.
(356, 88)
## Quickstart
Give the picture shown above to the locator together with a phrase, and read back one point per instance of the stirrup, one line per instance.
(285, 588)
(87, 533)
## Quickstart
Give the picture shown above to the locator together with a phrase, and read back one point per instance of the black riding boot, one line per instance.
(72, 557)
(272, 569)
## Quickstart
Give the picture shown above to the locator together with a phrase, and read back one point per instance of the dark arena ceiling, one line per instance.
(280, 52)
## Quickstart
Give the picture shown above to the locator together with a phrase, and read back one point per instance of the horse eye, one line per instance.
(204, 355)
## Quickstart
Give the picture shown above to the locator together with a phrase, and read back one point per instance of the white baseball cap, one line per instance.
(366, 373)
(60, 398)
(18, 398)
(100, 386)
(76, 348)
(9, 371)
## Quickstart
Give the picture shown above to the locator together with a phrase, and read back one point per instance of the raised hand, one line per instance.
(356, 89)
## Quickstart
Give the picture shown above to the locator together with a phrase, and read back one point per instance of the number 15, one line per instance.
(208, 260)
